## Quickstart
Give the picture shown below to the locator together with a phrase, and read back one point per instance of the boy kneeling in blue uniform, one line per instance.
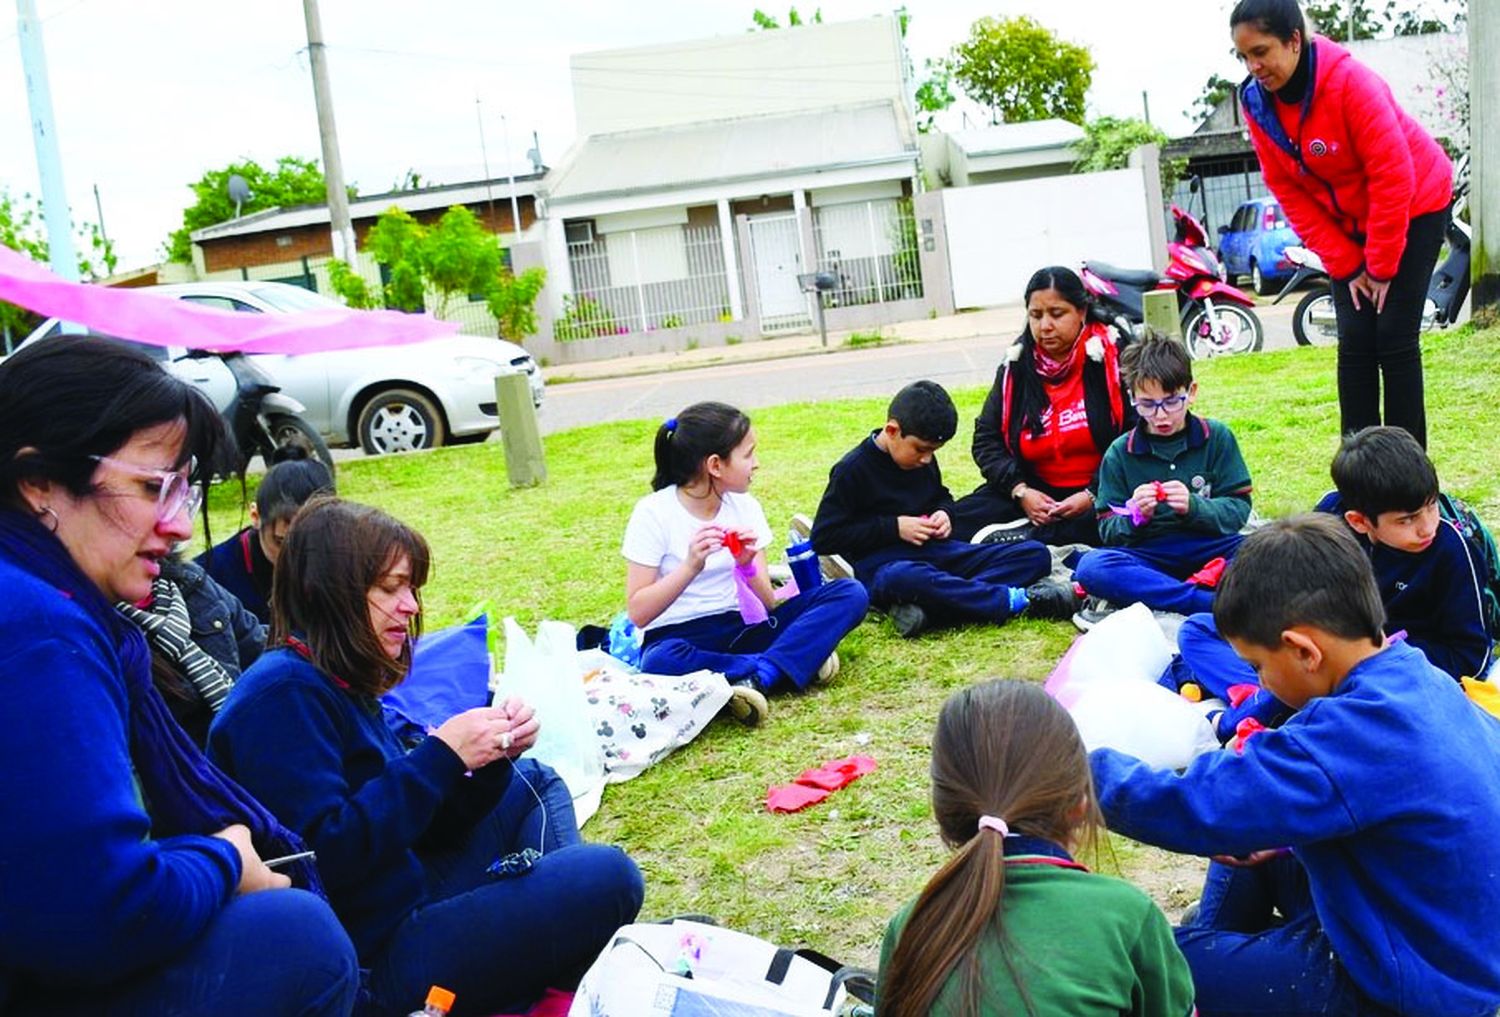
(1388, 900)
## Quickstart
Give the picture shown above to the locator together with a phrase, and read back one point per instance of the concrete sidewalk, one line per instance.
(1000, 322)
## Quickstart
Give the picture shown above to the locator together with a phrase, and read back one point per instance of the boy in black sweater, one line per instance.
(886, 511)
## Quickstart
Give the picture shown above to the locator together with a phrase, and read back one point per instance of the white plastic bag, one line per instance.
(640, 718)
(545, 675)
(1107, 681)
(688, 969)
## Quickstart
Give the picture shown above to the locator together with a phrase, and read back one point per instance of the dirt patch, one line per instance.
(1173, 881)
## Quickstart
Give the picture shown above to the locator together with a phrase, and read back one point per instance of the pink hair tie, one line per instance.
(994, 823)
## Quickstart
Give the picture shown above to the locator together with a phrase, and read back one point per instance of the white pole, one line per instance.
(1484, 159)
(510, 170)
(328, 134)
(640, 288)
(485, 156)
(60, 252)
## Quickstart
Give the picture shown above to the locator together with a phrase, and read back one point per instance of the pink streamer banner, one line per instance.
(158, 320)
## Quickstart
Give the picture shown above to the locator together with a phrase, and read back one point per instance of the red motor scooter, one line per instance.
(1217, 318)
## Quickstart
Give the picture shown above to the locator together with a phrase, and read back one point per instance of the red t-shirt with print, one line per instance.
(1064, 454)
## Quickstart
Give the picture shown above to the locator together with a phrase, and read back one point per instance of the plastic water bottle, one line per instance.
(803, 560)
(439, 1002)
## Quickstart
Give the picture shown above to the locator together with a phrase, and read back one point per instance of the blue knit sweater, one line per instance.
(323, 760)
(1388, 791)
(87, 895)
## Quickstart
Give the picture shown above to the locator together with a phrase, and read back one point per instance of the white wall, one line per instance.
(750, 73)
(999, 234)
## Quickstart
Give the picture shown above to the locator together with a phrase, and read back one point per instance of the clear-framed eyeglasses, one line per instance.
(173, 489)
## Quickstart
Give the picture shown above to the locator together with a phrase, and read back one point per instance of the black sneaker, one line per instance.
(1052, 599)
(1012, 532)
(1094, 611)
(909, 619)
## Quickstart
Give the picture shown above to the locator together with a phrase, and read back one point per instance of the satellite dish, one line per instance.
(239, 192)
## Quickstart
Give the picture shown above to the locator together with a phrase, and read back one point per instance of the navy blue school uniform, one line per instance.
(241, 567)
(950, 580)
(1151, 563)
(1434, 596)
(1397, 841)
(404, 838)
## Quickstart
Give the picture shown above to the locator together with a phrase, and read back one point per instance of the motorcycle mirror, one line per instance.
(1195, 183)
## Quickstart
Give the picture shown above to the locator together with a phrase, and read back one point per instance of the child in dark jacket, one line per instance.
(1173, 493)
(1387, 492)
(1397, 909)
(888, 513)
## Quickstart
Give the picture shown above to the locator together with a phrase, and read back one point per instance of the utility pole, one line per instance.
(328, 134)
(60, 252)
(510, 169)
(1484, 160)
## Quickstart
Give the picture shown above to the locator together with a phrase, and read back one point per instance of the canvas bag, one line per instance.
(641, 718)
(545, 675)
(689, 969)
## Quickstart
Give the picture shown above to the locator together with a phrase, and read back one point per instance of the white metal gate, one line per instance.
(776, 252)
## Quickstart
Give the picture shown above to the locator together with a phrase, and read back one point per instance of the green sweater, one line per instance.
(1203, 455)
(1085, 945)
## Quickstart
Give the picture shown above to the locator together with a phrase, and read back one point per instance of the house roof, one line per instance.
(1005, 139)
(370, 206)
(737, 149)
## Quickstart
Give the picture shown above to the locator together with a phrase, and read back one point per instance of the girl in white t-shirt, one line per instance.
(680, 572)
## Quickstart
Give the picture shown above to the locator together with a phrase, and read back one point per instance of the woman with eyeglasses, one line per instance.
(451, 860)
(131, 869)
(1054, 408)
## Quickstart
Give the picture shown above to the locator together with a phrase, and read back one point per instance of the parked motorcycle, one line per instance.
(262, 418)
(1314, 324)
(1217, 318)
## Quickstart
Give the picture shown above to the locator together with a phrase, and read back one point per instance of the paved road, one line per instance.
(954, 363)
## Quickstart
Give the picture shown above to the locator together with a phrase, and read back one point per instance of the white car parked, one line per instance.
(385, 399)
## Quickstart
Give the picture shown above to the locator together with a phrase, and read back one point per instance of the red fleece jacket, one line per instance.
(1363, 168)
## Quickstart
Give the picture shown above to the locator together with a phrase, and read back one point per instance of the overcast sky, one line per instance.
(151, 93)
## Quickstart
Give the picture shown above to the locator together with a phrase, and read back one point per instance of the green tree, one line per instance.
(293, 181)
(22, 229)
(766, 22)
(934, 94)
(1108, 142)
(455, 255)
(1214, 91)
(1022, 71)
(512, 301)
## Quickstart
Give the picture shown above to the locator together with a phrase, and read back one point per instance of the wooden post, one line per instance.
(519, 433)
(1161, 312)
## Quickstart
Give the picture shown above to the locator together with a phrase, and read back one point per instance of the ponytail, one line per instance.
(1005, 758)
(684, 442)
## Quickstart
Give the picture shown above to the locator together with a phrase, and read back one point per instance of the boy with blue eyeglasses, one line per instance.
(1174, 493)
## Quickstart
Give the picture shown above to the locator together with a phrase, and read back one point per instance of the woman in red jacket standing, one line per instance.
(1365, 187)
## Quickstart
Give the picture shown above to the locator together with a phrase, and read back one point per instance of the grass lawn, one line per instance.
(829, 877)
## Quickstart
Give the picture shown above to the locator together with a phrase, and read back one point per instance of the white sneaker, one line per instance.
(1012, 532)
(748, 704)
(827, 669)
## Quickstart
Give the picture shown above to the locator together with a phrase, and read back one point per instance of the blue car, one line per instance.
(1254, 244)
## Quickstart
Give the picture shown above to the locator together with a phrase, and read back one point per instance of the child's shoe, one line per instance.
(1012, 532)
(1052, 599)
(909, 619)
(747, 703)
(827, 669)
(1094, 611)
(834, 566)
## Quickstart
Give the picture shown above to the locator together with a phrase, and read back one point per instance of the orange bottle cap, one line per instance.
(440, 997)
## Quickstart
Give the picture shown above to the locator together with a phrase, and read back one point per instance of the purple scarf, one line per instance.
(186, 794)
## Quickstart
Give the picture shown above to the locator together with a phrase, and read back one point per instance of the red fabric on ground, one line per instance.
(813, 785)
(793, 797)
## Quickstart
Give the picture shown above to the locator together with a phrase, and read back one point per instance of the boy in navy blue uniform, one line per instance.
(887, 512)
(1173, 494)
(1430, 584)
(1378, 844)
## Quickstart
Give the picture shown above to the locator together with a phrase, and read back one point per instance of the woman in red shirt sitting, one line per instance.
(1054, 408)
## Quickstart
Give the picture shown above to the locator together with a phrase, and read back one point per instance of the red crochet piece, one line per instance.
(554, 1004)
(1239, 693)
(813, 785)
(1209, 575)
(1243, 732)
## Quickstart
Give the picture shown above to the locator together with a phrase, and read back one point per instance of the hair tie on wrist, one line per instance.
(670, 424)
(994, 823)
